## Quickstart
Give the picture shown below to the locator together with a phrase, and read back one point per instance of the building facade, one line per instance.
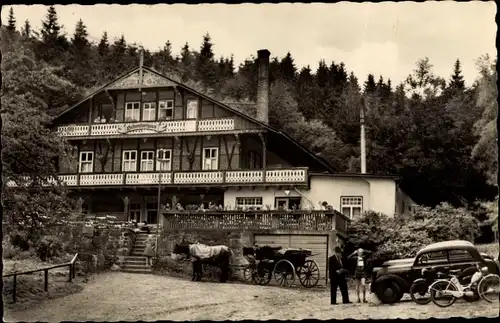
(145, 138)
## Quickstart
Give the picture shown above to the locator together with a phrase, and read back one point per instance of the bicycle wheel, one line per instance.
(419, 292)
(247, 274)
(488, 288)
(440, 293)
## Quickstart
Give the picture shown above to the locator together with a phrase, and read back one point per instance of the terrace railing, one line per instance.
(234, 177)
(255, 220)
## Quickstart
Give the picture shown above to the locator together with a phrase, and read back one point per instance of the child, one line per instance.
(149, 250)
(360, 272)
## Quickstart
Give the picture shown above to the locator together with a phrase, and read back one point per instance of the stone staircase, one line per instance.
(137, 262)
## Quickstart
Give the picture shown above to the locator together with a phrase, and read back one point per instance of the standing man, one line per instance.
(337, 277)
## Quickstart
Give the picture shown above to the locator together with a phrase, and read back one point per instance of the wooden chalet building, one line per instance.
(145, 132)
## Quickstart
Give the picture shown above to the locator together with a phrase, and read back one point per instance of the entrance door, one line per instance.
(317, 244)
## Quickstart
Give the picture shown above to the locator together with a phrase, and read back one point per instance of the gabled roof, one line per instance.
(126, 80)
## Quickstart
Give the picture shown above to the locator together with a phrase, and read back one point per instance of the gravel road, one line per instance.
(117, 296)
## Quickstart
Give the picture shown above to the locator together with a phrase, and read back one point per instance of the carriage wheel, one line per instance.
(284, 273)
(308, 274)
(261, 275)
(247, 274)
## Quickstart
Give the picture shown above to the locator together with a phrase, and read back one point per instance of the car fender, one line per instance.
(400, 281)
(419, 280)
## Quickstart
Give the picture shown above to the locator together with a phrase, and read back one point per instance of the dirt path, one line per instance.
(122, 296)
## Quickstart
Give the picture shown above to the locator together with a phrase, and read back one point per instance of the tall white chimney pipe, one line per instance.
(141, 63)
(263, 86)
(364, 102)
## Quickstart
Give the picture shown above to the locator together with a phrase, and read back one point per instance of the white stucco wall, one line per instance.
(379, 194)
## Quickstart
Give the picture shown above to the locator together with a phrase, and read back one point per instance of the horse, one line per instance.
(218, 256)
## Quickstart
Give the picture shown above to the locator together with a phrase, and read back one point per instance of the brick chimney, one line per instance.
(263, 86)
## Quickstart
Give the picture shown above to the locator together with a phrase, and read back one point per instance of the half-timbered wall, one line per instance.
(252, 144)
(186, 152)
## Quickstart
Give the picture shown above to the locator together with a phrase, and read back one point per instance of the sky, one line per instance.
(380, 38)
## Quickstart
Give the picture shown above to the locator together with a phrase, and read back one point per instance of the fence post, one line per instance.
(74, 274)
(70, 272)
(14, 290)
(46, 285)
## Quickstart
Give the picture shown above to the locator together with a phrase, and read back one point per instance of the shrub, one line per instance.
(49, 247)
(403, 235)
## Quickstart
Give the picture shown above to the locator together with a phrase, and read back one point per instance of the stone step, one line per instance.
(135, 258)
(136, 266)
(138, 271)
(137, 254)
(135, 262)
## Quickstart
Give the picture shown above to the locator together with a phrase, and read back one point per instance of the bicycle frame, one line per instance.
(455, 282)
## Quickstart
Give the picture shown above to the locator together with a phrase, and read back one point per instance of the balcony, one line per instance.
(220, 177)
(147, 128)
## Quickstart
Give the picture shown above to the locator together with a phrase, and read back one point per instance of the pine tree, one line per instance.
(12, 21)
(103, 47)
(26, 30)
(186, 56)
(287, 69)
(79, 40)
(457, 80)
(206, 68)
(50, 27)
(322, 74)
(370, 86)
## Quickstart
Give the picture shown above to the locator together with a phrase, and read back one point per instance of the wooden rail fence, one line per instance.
(70, 264)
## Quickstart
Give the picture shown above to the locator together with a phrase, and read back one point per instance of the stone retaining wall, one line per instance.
(98, 248)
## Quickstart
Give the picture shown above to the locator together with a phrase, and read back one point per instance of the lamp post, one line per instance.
(158, 212)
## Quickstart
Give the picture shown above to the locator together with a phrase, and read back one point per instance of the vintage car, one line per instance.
(394, 278)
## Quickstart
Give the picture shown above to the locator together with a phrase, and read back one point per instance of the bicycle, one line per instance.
(451, 289)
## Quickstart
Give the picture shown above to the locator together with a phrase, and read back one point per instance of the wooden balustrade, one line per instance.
(254, 220)
(146, 127)
(276, 176)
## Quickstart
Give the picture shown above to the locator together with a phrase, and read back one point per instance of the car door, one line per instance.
(461, 259)
(433, 260)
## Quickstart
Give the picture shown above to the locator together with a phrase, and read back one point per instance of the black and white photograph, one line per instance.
(250, 161)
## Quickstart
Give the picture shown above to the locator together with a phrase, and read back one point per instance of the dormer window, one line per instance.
(132, 111)
(166, 110)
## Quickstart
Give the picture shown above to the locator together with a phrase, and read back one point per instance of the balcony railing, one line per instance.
(254, 220)
(148, 127)
(235, 177)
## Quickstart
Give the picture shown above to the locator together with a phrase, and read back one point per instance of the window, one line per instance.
(253, 160)
(86, 161)
(351, 206)
(135, 211)
(433, 257)
(249, 202)
(166, 111)
(129, 161)
(287, 203)
(132, 111)
(151, 210)
(147, 161)
(148, 111)
(164, 159)
(192, 109)
(460, 255)
(210, 160)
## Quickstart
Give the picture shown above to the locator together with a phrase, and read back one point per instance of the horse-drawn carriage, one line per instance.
(283, 263)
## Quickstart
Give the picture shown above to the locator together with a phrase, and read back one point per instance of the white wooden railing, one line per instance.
(298, 175)
(149, 127)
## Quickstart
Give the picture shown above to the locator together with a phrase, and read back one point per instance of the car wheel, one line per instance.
(389, 292)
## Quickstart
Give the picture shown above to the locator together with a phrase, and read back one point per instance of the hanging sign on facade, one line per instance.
(142, 127)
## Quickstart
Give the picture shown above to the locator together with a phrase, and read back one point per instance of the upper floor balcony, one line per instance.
(147, 128)
(293, 176)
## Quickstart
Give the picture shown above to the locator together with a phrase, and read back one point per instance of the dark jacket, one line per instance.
(334, 265)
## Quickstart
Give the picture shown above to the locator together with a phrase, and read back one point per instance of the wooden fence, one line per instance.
(256, 220)
(70, 264)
